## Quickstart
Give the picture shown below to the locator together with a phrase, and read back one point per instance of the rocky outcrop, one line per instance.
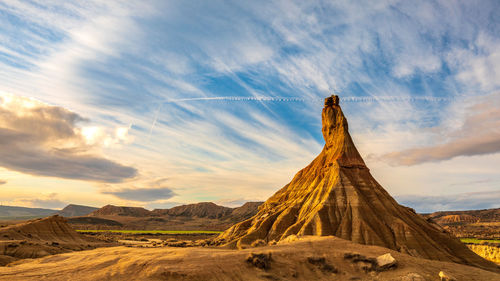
(443, 276)
(337, 195)
(489, 252)
(453, 219)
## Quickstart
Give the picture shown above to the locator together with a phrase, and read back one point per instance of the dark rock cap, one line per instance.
(332, 100)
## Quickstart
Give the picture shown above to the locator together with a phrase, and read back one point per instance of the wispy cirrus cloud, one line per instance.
(120, 62)
(478, 65)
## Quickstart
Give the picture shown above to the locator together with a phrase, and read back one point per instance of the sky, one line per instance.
(161, 103)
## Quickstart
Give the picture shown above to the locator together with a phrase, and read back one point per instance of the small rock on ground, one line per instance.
(446, 277)
(386, 261)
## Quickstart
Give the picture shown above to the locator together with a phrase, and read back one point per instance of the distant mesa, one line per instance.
(73, 210)
(110, 210)
(336, 195)
(201, 210)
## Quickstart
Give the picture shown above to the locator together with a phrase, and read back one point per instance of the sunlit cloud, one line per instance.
(479, 134)
(148, 191)
(50, 201)
(452, 202)
(142, 194)
(45, 140)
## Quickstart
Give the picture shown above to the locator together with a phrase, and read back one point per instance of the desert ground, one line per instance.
(307, 258)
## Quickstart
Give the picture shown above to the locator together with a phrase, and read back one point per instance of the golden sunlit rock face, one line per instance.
(337, 195)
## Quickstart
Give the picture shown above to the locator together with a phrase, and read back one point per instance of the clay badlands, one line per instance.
(333, 221)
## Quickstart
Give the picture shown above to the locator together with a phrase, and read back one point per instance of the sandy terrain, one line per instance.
(289, 261)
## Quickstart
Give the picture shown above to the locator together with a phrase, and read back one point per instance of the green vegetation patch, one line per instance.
(152, 231)
(478, 241)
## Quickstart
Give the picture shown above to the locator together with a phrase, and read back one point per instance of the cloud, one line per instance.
(478, 65)
(452, 202)
(234, 203)
(478, 135)
(39, 139)
(142, 194)
(146, 191)
(163, 205)
(69, 53)
(50, 201)
(2, 181)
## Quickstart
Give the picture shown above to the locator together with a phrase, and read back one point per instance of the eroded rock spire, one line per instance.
(336, 195)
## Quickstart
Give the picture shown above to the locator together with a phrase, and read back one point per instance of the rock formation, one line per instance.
(49, 229)
(73, 210)
(110, 210)
(200, 210)
(336, 195)
(41, 237)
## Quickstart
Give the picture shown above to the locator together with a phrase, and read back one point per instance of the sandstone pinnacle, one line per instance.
(336, 195)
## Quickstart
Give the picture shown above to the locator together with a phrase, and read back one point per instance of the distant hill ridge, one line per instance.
(446, 217)
(200, 210)
(24, 213)
(111, 210)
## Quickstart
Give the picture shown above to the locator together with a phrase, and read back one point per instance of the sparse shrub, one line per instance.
(367, 264)
(262, 261)
(322, 264)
